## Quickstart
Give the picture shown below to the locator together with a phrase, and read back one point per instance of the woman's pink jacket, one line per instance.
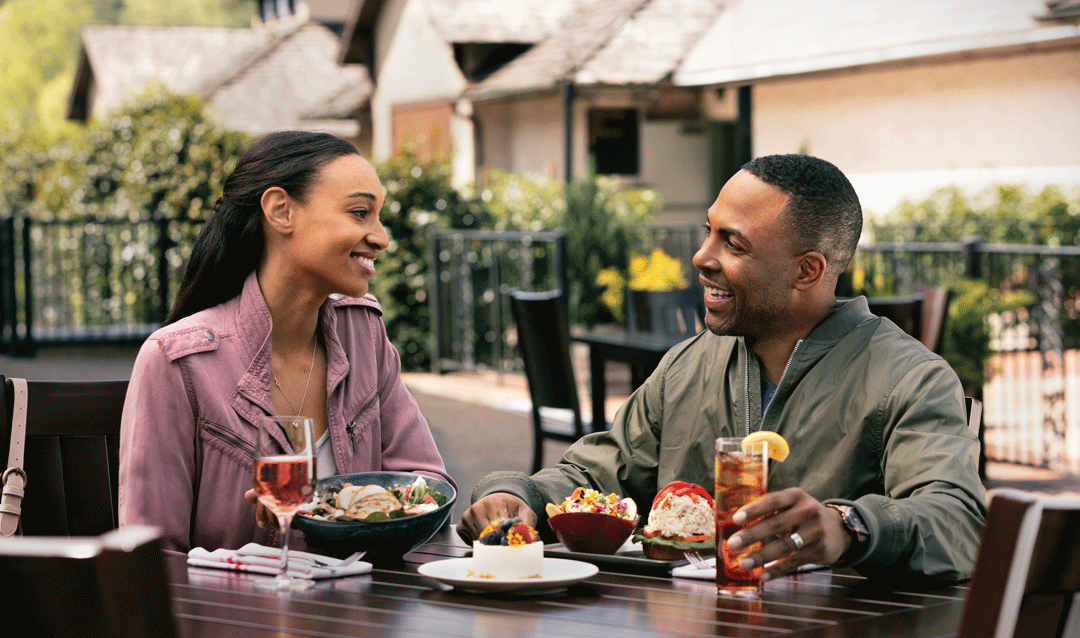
(197, 389)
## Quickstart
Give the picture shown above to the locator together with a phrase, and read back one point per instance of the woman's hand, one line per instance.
(262, 515)
(489, 508)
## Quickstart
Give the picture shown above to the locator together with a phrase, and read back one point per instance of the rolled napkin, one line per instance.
(259, 559)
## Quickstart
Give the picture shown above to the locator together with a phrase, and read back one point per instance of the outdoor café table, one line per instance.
(641, 349)
(395, 600)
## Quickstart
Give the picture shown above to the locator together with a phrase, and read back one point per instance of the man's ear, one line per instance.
(809, 270)
(277, 209)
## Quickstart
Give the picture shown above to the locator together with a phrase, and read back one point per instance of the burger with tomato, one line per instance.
(680, 520)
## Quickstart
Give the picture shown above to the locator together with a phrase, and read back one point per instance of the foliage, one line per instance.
(40, 39)
(1005, 213)
(595, 214)
(1001, 214)
(966, 344)
(158, 158)
(657, 271)
(418, 194)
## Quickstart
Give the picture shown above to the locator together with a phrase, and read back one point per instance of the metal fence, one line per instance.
(90, 281)
(1031, 394)
(87, 281)
(471, 325)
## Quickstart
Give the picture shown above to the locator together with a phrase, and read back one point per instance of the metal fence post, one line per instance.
(971, 250)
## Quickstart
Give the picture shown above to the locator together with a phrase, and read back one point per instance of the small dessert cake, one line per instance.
(508, 548)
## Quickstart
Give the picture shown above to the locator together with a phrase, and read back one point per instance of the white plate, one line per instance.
(559, 574)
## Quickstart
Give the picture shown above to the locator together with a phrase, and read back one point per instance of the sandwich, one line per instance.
(680, 520)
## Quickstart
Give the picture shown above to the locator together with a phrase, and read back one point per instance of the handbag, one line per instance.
(14, 477)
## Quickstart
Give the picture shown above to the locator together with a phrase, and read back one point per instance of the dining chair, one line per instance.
(1026, 582)
(975, 424)
(903, 310)
(112, 585)
(543, 339)
(935, 313)
(922, 315)
(673, 312)
(72, 452)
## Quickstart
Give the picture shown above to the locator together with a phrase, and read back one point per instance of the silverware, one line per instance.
(697, 561)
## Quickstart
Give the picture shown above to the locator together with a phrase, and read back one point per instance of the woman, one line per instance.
(272, 316)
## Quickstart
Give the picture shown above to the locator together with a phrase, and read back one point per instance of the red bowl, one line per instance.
(591, 532)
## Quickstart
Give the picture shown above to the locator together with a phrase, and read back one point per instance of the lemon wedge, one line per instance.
(778, 447)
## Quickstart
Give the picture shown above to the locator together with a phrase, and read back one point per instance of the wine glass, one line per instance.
(285, 479)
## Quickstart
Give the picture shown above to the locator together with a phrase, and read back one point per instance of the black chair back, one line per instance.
(114, 585)
(673, 312)
(1026, 581)
(543, 338)
(72, 455)
(905, 311)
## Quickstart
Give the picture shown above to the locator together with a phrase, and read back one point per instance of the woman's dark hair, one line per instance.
(230, 244)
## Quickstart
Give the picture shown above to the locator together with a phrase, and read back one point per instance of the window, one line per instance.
(613, 141)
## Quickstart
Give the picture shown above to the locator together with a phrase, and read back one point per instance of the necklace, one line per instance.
(311, 367)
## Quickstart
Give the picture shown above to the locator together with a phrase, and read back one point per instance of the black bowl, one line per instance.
(381, 539)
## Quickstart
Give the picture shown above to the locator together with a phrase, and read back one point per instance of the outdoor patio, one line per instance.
(480, 421)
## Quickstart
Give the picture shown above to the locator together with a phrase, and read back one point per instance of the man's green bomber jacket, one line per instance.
(873, 418)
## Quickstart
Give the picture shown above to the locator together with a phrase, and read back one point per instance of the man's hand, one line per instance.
(489, 508)
(262, 515)
(792, 510)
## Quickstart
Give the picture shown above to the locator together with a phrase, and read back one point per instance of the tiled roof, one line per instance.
(615, 42)
(124, 60)
(520, 21)
(292, 78)
(775, 38)
(256, 80)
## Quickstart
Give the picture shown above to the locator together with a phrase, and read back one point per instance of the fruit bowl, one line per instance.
(389, 539)
(591, 532)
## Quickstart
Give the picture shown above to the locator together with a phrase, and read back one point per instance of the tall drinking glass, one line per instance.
(740, 478)
(285, 479)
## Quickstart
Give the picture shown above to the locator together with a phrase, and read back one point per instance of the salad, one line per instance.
(589, 500)
(372, 503)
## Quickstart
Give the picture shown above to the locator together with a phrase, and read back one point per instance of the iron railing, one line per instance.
(90, 281)
(87, 281)
(1032, 391)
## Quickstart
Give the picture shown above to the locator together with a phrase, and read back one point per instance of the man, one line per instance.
(882, 474)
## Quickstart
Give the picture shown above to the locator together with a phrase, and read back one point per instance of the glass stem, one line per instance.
(284, 523)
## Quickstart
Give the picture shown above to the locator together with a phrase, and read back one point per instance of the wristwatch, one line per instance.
(856, 528)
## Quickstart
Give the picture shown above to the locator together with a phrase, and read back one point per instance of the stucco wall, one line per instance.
(413, 63)
(523, 135)
(901, 132)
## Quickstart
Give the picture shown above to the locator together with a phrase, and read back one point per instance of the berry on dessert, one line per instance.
(508, 548)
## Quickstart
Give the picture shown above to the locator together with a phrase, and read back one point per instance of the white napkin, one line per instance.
(258, 559)
(709, 573)
(689, 571)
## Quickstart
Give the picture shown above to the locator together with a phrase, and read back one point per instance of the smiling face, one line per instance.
(337, 233)
(746, 263)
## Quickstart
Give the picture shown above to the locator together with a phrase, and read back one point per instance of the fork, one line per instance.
(697, 561)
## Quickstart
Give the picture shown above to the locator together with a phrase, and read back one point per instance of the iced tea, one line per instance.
(740, 478)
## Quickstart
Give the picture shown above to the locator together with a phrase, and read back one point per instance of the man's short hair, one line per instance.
(823, 208)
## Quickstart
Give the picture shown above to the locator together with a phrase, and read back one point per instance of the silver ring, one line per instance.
(795, 538)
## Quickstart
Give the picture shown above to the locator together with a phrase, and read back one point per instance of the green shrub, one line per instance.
(1000, 214)
(418, 194)
(595, 214)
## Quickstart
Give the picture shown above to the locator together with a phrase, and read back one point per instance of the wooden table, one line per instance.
(643, 350)
(395, 600)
